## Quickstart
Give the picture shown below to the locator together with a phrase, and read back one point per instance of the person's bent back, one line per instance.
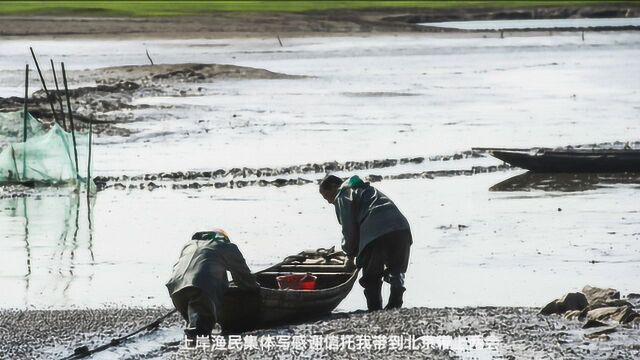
(199, 279)
(375, 233)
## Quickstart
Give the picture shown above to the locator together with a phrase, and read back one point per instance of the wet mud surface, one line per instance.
(109, 103)
(290, 175)
(484, 332)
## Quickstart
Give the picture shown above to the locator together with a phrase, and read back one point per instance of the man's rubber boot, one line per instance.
(374, 298)
(190, 336)
(395, 298)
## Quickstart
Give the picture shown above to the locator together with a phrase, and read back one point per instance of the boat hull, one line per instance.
(572, 161)
(244, 311)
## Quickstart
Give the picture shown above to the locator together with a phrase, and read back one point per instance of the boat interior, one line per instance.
(327, 276)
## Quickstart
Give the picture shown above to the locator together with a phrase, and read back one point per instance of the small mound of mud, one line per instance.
(180, 73)
(378, 94)
(110, 102)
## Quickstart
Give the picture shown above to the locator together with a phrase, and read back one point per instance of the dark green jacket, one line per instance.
(204, 264)
(365, 214)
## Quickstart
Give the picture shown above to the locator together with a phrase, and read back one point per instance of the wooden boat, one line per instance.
(570, 160)
(243, 311)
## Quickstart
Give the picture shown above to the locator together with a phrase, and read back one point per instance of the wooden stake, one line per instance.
(13, 156)
(89, 162)
(73, 131)
(24, 121)
(148, 56)
(55, 79)
(26, 96)
(44, 85)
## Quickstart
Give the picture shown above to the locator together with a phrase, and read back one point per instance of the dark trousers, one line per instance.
(196, 309)
(386, 257)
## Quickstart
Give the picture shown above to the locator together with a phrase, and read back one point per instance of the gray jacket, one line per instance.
(204, 264)
(365, 214)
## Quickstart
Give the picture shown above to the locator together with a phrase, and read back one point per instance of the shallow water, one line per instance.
(536, 23)
(469, 241)
(372, 97)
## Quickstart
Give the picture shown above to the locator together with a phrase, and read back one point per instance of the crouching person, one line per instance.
(199, 279)
(375, 233)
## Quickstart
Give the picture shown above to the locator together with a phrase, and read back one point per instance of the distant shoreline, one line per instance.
(311, 23)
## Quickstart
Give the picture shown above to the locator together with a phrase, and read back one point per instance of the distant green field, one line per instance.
(184, 8)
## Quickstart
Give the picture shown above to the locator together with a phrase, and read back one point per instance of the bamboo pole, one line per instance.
(44, 85)
(13, 156)
(26, 95)
(89, 161)
(55, 79)
(73, 130)
(24, 122)
(149, 56)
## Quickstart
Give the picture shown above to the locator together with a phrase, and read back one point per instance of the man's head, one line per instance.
(329, 187)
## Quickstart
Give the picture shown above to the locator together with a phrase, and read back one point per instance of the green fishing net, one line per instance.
(47, 156)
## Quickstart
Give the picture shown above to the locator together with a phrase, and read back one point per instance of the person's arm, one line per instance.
(240, 272)
(347, 217)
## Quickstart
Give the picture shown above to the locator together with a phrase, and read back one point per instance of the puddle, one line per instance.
(536, 24)
(530, 181)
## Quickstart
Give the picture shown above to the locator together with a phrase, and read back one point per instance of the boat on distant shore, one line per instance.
(570, 160)
(334, 274)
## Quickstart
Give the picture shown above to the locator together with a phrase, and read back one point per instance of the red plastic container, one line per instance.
(297, 282)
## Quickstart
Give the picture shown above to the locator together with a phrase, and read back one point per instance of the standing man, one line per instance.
(199, 279)
(375, 233)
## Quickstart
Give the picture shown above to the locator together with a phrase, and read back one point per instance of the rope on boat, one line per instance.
(84, 351)
(326, 254)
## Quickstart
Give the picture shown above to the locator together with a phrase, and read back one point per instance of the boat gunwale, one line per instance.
(581, 152)
(315, 291)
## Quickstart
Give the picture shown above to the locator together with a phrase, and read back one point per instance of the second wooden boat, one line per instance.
(571, 160)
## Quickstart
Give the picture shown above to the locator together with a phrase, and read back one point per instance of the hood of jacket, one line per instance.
(351, 183)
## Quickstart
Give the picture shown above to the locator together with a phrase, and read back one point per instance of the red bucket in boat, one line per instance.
(297, 282)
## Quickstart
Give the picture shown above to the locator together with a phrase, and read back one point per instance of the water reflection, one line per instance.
(565, 182)
(47, 240)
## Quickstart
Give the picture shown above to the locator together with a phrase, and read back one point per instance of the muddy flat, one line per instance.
(417, 333)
